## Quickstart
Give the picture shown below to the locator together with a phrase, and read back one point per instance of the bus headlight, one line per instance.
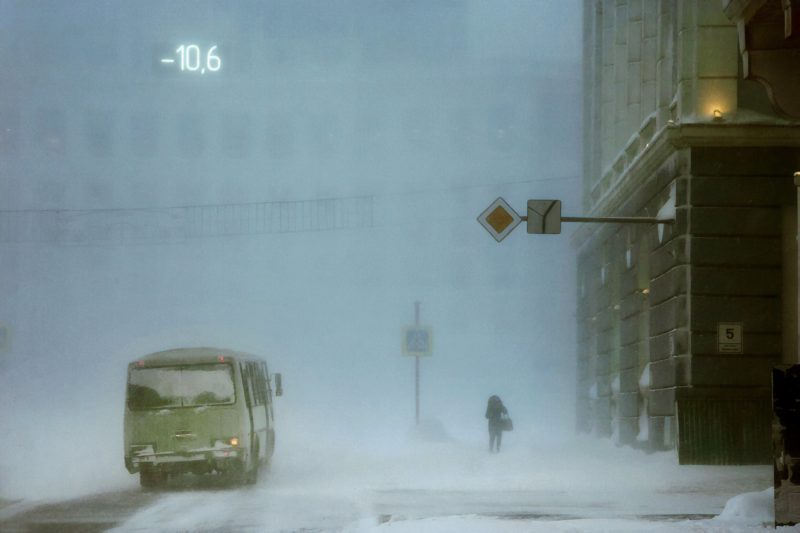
(225, 443)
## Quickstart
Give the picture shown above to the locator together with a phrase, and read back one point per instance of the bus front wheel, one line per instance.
(152, 479)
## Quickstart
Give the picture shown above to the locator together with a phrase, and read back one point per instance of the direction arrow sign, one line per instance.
(544, 216)
(499, 219)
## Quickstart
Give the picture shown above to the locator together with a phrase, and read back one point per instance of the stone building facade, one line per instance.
(683, 121)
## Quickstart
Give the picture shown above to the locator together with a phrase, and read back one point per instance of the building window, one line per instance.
(324, 130)
(99, 132)
(50, 130)
(9, 132)
(235, 131)
(99, 48)
(502, 128)
(144, 130)
(99, 192)
(280, 136)
(418, 128)
(191, 137)
(370, 134)
(461, 131)
(51, 193)
(552, 123)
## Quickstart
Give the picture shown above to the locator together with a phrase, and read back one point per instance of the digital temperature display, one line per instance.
(190, 58)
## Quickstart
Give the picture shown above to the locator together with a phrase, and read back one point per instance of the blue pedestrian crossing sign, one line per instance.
(418, 341)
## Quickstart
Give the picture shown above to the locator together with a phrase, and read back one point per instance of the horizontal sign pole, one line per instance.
(627, 220)
(623, 220)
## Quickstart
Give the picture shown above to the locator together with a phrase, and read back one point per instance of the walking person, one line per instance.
(495, 413)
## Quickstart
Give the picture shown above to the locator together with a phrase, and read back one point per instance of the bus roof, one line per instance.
(195, 355)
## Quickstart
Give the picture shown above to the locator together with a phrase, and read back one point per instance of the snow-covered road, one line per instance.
(451, 486)
(417, 485)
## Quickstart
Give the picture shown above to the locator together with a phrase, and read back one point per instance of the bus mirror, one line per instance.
(278, 385)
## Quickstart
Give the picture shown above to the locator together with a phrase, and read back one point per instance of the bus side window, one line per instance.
(256, 384)
(262, 396)
(262, 369)
(267, 383)
(248, 398)
(253, 392)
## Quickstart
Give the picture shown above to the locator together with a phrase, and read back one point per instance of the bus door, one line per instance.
(260, 415)
(268, 414)
(268, 386)
(248, 401)
(256, 395)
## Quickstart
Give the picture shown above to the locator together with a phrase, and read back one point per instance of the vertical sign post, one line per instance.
(5, 341)
(5, 338)
(416, 369)
(417, 342)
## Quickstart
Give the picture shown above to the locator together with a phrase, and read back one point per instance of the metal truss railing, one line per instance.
(173, 224)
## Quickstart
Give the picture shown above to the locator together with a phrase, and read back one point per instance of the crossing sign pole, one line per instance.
(417, 342)
(5, 338)
(416, 369)
(5, 341)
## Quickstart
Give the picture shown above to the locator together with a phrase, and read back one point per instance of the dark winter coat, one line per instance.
(494, 413)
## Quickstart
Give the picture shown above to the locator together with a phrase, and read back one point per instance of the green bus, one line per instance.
(199, 410)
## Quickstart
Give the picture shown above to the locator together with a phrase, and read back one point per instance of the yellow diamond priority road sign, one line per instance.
(499, 219)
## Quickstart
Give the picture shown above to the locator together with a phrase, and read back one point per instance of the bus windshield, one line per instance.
(180, 386)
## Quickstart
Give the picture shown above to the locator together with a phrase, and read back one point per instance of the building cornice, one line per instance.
(668, 140)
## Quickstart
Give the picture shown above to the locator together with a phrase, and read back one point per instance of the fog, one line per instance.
(426, 111)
